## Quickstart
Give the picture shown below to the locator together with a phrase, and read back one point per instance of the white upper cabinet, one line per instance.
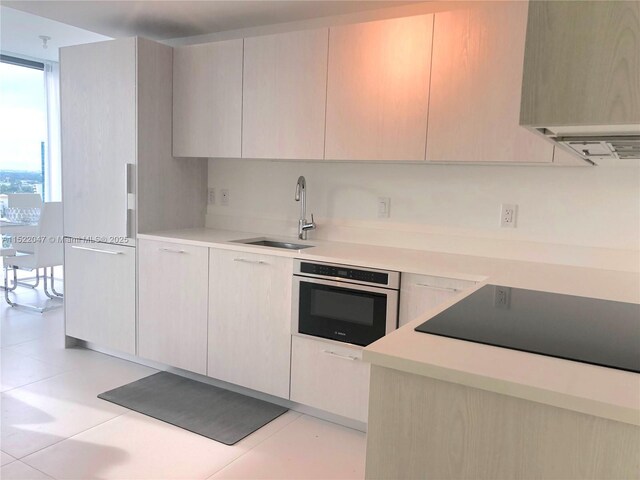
(378, 89)
(476, 79)
(284, 94)
(207, 100)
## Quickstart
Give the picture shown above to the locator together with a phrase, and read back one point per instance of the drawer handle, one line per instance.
(171, 250)
(445, 289)
(97, 250)
(337, 355)
(244, 260)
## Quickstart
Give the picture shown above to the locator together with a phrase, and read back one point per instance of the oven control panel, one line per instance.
(348, 273)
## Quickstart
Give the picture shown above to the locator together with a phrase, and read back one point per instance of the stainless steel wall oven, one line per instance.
(350, 304)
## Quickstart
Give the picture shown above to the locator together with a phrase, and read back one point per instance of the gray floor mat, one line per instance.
(210, 411)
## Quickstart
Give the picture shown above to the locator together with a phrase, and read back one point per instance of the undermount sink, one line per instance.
(265, 242)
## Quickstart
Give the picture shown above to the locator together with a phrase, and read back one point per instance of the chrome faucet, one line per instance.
(301, 196)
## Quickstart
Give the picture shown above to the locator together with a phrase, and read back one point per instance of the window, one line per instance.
(29, 128)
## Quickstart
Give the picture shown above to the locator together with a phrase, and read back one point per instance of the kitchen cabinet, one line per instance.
(100, 294)
(98, 118)
(476, 79)
(207, 100)
(378, 89)
(421, 293)
(172, 304)
(119, 178)
(284, 95)
(250, 320)
(582, 66)
(330, 377)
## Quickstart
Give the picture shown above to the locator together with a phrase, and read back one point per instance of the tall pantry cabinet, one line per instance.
(119, 178)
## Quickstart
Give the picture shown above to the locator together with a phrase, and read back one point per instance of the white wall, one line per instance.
(583, 206)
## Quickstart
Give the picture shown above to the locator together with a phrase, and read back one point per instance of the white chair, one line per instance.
(48, 252)
(24, 200)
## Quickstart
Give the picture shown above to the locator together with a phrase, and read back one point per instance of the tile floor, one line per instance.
(54, 426)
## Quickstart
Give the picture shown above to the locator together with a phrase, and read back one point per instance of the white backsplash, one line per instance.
(569, 215)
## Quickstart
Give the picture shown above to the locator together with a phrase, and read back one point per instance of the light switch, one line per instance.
(384, 205)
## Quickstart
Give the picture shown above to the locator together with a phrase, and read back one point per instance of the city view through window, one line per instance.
(23, 130)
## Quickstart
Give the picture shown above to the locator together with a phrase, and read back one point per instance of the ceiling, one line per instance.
(19, 32)
(164, 20)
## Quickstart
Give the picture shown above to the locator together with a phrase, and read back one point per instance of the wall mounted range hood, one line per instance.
(581, 81)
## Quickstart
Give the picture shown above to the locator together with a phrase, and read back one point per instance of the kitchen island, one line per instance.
(448, 408)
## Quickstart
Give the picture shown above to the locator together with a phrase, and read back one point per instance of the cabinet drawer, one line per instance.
(100, 294)
(172, 304)
(420, 293)
(330, 377)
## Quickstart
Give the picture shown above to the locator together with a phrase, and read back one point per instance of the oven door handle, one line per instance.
(337, 355)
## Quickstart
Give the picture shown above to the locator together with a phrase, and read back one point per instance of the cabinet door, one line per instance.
(574, 47)
(476, 78)
(98, 119)
(250, 320)
(378, 89)
(100, 294)
(284, 95)
(172, 304)
(207, 100)
(421, 293)
(330, 377)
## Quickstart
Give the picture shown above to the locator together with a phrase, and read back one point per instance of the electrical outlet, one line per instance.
(508, 215)
(224, 197)
(384, 207)
(211, 199)
(502, 297)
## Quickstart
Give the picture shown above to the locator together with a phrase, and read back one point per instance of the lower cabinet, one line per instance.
(250, 320)
(172, 304)
(100, 294)
(330, 377)
(420, 293)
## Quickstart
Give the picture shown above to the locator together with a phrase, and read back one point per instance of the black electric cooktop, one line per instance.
(599, 332)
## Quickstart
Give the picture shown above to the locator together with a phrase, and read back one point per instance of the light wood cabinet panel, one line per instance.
(575, 47)
(116, 104)
(171, 192)
(98, 122)
(421, 427)
(172, 304)
(207, 100)
(250, 320)
(100, 294)
(330, 377)
(378, 89)
(420, 293)
(475, 87)
(284, 95)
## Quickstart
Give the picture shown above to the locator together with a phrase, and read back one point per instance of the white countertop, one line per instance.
(599, 391)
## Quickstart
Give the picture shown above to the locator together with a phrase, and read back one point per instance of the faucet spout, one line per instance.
(301, 196)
